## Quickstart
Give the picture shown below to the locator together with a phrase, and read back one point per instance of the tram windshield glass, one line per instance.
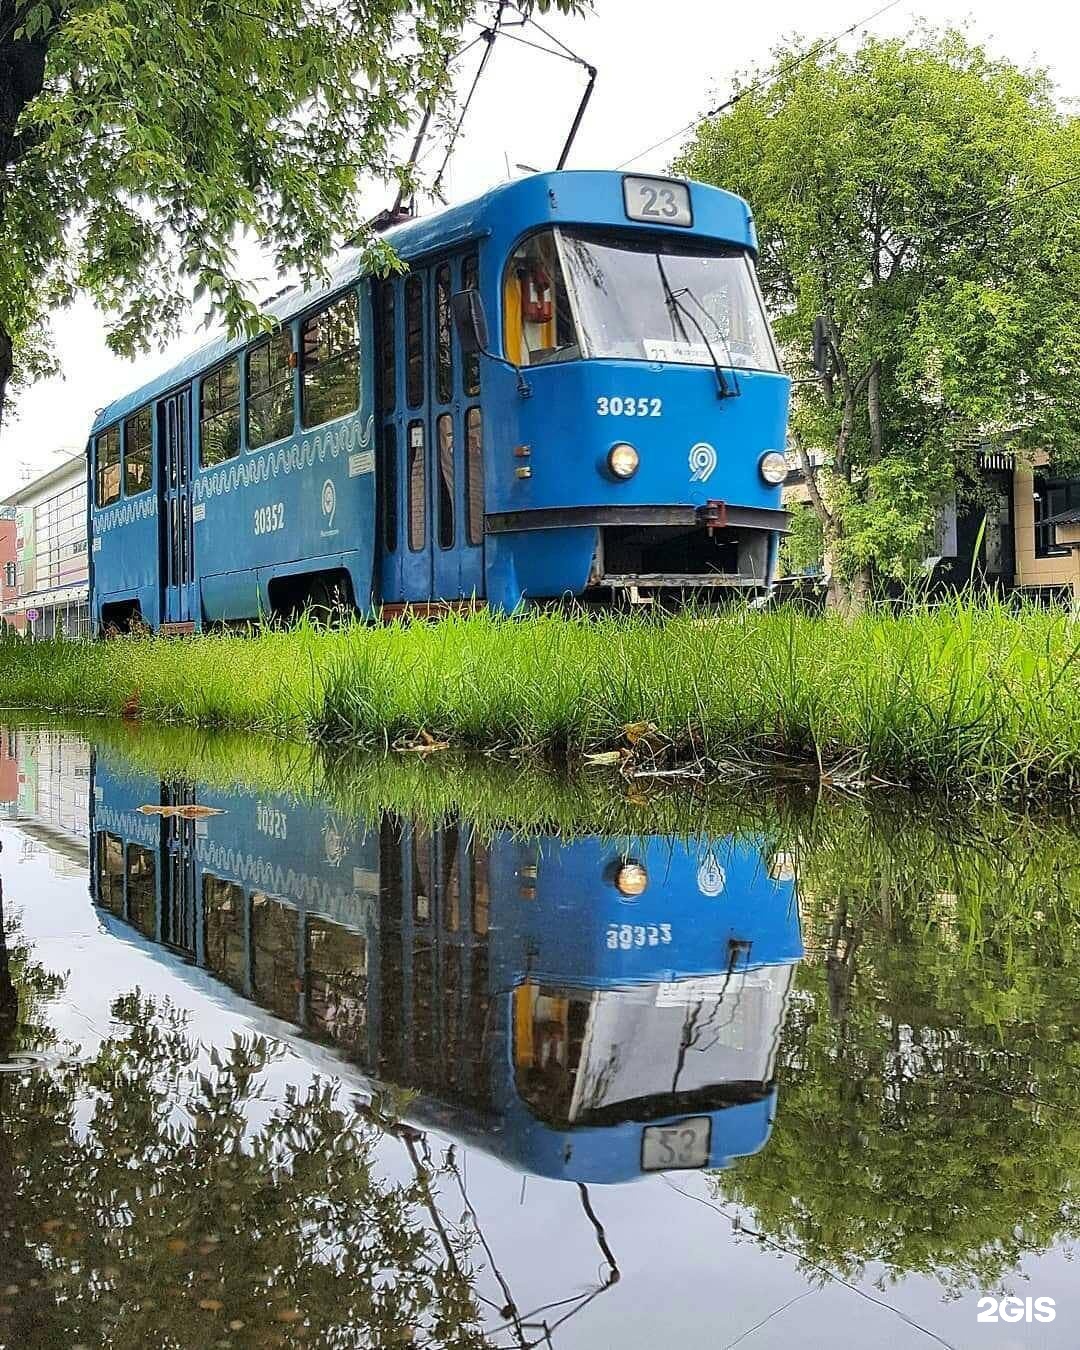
(575, 293)
(598, 1057)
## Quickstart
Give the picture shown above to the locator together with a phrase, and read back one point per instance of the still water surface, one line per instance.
(283, 1069)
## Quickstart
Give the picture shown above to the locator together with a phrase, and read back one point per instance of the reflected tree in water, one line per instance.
(157, 1195)
(929, 1114)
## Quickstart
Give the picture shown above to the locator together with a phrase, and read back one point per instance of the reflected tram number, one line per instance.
(684, 1144)
(271, 822)
(627, 935)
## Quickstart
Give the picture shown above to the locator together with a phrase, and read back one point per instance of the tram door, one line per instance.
(431, 472)
(177, 562)
(178, 925)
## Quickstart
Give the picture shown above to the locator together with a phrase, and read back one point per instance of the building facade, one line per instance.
(51, 559)
(8, 559)
(1003, 539)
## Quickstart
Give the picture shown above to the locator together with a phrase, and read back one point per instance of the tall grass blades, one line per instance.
(980, 699)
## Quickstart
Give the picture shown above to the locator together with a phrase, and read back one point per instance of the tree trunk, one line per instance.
(22, 75)
(849, 596)
(7, 368)
(9, 995)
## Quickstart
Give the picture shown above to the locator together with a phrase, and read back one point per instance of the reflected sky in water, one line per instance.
(288, 1068)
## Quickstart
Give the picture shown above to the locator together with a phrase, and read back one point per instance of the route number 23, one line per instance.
(615, 406)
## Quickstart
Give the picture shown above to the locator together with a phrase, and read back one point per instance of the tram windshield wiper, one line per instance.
(677, 309)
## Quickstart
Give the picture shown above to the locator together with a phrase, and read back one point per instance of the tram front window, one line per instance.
(575, 293)
(602, 1056)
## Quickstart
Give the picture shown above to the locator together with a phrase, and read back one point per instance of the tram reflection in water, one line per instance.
(584, 1010)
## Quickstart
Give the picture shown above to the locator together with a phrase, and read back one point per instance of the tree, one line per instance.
(930, 1041)
(157, 1193)
(924, 200)
(138, 139)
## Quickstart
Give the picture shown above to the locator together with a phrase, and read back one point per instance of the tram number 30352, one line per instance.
(614, 406)
(269, 519)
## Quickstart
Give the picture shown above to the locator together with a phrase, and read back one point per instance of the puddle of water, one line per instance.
(288, 1068)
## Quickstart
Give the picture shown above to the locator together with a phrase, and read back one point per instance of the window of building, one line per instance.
(444, 429)
(107, 480)
(219, 418)
(9, 574)
(470, 366)
(417, 487)
(270, 390)
(387, 349)
(59, 539)
(138, 462)
(444, 342)
(414, 341)
(474, 477)
(330, 363)
(1052, 497)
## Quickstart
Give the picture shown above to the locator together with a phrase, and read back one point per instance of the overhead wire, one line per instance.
(770, 77)
(489, 34)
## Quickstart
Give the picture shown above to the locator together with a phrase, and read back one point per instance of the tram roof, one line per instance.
(575, 196)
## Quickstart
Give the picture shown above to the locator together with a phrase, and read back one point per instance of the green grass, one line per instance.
(969, 698)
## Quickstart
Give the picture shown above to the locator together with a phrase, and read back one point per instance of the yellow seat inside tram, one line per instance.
(531, 294)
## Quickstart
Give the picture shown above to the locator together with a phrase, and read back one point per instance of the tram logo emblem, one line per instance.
(329, 508)
(329, 501)
(702, 461)
(711, 877)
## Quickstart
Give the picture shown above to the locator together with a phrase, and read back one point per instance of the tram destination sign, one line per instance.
(657, 201)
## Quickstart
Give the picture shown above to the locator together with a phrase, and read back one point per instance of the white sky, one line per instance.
(659, 64)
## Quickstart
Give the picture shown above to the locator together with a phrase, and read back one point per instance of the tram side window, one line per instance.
(444, 343)
(474, 476)
(223, 926)
(470, 366)
(538, 320)
(107, 481)
(444, 429)
(142, 889)
(270, 390)
(336, 983)
(414, 341)
(388, 482)
(387, 349)
(273, 954)
(110, 872)
(219, 417)
(137, 453)
(330, 363)
(417, 488)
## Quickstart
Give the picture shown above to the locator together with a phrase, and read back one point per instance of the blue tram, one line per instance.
(581, 1010)
(571, 391)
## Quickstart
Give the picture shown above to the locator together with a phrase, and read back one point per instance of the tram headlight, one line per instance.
(631, 879)
(623, 460)
(773, 467)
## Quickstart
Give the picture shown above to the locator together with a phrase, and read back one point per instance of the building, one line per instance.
(1066, 527)
(51, 560)
(8, 554)
(45, 788)
(1005, 538)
